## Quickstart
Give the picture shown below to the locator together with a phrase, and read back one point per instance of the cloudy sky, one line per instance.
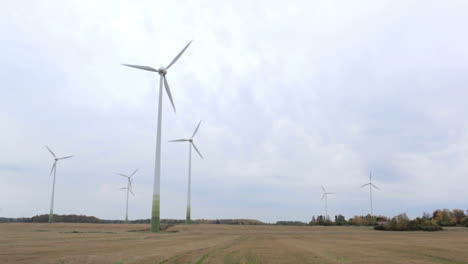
(292, 96)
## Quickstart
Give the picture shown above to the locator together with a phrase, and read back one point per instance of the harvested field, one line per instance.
(132, 243)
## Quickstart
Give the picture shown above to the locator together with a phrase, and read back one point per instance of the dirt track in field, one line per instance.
(120, 243)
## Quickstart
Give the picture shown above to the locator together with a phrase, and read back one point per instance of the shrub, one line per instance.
(368, 220)
(401, 222)
(290, 223)
(429, 226)
(465, 222)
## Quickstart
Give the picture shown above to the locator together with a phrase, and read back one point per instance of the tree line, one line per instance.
(72, 218)
(427, 222)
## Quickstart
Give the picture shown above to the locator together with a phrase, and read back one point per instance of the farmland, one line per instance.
(133, 243)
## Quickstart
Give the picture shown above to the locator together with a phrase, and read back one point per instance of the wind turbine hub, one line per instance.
(190, 140)
(162, 71)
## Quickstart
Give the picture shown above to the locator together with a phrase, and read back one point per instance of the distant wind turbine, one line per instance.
(155, 215)
(54, 170)
(325, 196)
(190, 141)
(370, 190)
(129, 189)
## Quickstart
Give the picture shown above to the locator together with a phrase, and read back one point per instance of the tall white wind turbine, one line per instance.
(129, 189)
(191, 144)
(371, 185)
(325, 196)
(54, 170)
(155, 213)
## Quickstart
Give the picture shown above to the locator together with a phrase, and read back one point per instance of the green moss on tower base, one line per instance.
(155, 218)
(51, 217)
(188, 219)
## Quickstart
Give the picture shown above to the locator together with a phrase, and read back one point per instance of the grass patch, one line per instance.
(229, 258)
(203, 258)
(339, 259)
(169, 259)
(251, 258)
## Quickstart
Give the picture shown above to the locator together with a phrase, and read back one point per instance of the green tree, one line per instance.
(340, 220)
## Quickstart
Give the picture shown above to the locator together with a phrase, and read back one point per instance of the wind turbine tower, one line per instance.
(129, 189)
(191, 144)
(155, 212)
(325, 196)
(54, 170)
(371, 185)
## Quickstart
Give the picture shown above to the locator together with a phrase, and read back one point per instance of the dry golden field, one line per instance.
(120, 243)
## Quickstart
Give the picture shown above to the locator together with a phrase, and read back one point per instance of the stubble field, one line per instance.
(120, 243)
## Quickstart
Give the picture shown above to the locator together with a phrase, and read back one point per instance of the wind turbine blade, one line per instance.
(375, 186)
(123, 175)
(178, 55)
(51, 152)
(131, 192)
(168, 91)
(331, 193)
(133, 173)
(323, 188)
(195, 147)
(67, 157)
(53, 167)
(365, 185)
(323, 196)
(196, 129)
(179, 140)
(146, 68)
(123, 188)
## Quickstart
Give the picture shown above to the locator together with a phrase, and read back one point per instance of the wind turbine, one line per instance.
(190, 141)
(155, 215)
(54, 170)
(325, 196)
(370, 190)
(129, 190)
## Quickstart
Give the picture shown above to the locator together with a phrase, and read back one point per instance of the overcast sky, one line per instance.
(292, 96)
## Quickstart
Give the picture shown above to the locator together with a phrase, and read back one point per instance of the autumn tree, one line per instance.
(459, 216)
(444, 217)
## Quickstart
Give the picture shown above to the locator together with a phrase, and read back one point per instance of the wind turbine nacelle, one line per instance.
(162, 71)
